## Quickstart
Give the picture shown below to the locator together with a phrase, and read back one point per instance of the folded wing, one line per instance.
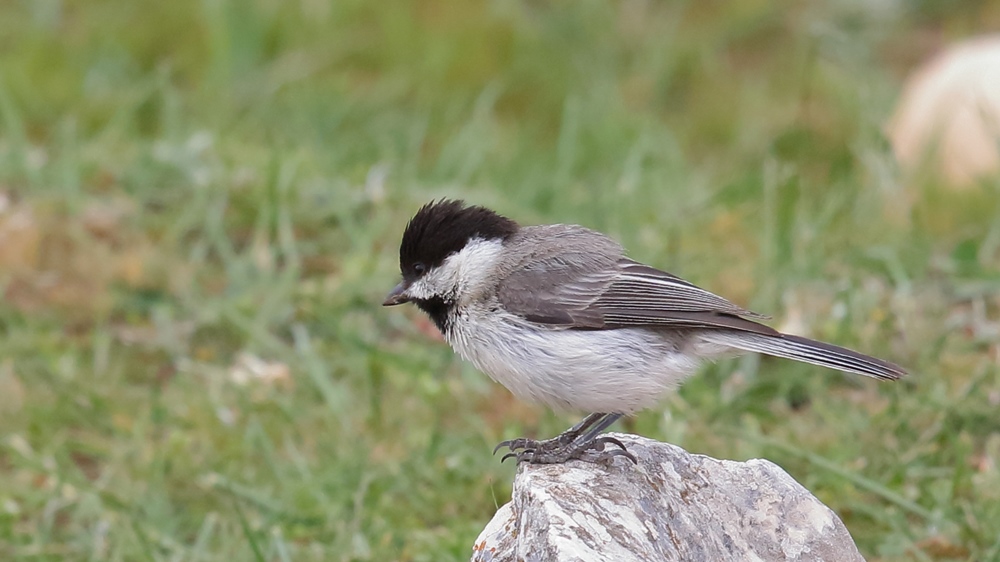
(594, 291)
(587, 291)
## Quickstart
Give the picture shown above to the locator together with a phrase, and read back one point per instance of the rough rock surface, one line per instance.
(673, 505)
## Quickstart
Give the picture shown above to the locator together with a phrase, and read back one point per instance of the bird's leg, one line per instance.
(600, 426)
(578, 442)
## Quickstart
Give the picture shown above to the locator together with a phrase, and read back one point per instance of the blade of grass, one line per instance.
(858, 480)
(248, 532)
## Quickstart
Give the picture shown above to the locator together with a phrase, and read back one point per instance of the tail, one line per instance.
(810, 351)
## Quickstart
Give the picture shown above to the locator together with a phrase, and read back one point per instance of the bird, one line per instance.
(560, 316)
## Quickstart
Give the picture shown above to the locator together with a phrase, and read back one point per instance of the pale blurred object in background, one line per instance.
(948, 119)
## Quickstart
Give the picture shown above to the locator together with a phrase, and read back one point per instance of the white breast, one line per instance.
(586, 370)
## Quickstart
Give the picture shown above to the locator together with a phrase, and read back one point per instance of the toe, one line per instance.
(605, 440)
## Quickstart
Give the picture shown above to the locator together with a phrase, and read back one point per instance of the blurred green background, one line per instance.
(200, 206)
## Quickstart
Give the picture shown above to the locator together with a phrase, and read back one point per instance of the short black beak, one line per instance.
(397, 295)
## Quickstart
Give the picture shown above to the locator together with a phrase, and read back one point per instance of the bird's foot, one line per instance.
(559, 450)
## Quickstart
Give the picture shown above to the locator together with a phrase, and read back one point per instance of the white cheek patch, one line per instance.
(420, 290)
(471, 269)
(462, 274)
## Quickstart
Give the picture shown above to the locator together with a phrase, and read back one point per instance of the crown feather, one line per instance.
(443, 227)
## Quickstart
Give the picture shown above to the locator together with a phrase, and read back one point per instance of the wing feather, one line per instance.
(588, 286)
(584, 290)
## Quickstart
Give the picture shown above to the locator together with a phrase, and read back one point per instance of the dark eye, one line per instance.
(419, 268)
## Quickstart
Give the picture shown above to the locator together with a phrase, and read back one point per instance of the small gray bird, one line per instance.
(559, 316)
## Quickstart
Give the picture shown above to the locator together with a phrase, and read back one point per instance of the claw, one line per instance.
(558, 450)
(517, 455)
(516, 444)
(501, 445)
(604, 440)
(608, 455)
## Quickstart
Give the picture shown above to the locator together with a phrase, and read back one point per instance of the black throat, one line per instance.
(438, 310)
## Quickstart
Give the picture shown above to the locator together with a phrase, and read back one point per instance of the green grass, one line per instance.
(189, 184)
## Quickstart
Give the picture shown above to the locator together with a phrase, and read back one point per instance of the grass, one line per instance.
(201, 203)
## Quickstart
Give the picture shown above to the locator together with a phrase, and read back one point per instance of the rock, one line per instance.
(948, 118)
(672, 505)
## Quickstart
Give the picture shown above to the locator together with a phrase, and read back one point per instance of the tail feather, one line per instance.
(813, 352)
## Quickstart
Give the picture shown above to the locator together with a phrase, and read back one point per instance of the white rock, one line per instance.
(948, 116)
(673, 505)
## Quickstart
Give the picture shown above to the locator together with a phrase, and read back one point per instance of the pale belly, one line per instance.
(590, 371)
